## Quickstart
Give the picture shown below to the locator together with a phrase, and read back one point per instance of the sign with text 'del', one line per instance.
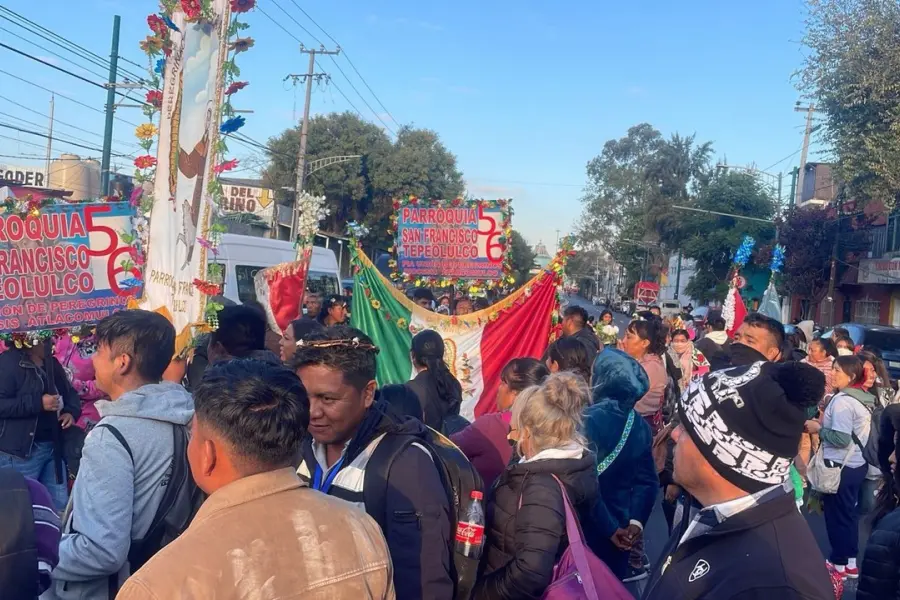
(453, 239)
(65, 265)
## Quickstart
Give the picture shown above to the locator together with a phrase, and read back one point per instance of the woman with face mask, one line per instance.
(690, 360)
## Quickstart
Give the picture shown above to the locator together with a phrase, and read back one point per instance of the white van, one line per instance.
(244, 256)
(670, 308)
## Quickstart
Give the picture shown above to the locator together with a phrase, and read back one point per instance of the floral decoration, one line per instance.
(777, 259)
(146, 131)
(742, 256)
(376, 304)
(207, 288)
(232, 125)
(155, 98)
(241, 45)
(145, 162)
(312, 211)
(242, 6)
(236, 87)
(228, 165)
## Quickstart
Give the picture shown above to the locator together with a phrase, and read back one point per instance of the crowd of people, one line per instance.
(276, 466)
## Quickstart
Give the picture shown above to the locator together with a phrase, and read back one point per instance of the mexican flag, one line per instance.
(476, 346)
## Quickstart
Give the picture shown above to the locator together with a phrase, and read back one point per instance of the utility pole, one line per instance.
(49, 141)
(780, 175)
(795, 172)
(809, 110)
(832, 277)
(110, 106)
(308, 77)
(678, 276)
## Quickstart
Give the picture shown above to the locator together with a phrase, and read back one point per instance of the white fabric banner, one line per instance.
(188, 132)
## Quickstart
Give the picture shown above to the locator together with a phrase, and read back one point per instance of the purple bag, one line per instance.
(579, 574)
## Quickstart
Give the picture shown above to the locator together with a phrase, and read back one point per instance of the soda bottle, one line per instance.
(470, 530)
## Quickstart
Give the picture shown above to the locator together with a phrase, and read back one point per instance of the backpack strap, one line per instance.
(576, 544)
(606, 462)
(118, 435)
(378, 469)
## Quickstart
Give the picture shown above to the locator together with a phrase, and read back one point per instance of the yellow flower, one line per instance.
(147, 131)
(75, 339)
(401, 323)
(376, 304)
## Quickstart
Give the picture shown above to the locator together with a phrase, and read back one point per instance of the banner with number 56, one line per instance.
(65, 265)
(453, 240)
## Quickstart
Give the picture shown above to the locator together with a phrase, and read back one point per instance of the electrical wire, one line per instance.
(68, 45)
(52, 53)
(366, 102)
(42, 127)
(60, 95)
(791, 155)
(291, 17)
(353, 66)
(70, 73)
(57, 139)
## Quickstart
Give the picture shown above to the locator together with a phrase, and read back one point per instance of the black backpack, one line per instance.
(18, 552)
(459, 477)
(180, 502)
(870, 449)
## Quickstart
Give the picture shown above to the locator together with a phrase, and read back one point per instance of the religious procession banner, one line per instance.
(196, 47)
(476, 346)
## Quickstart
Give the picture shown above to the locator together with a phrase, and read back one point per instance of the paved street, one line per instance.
(656, 533)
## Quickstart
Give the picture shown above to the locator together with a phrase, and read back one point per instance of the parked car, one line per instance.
(700, 314)
(886, 339)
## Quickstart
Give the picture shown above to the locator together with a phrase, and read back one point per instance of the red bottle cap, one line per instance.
(476, 495)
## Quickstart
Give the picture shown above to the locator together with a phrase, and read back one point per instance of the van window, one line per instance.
(245, 284)
(322, 283)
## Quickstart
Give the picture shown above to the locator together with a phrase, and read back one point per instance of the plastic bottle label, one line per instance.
(469, 533)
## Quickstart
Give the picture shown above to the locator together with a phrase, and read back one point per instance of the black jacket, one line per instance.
(587, 337)
(22, 386)
(879, 575)
(766, 552)
(717, 354)
(417, 507)
(524, 544)
(435, 408)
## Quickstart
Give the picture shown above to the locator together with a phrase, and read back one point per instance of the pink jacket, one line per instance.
(652, 401)
(76, 360)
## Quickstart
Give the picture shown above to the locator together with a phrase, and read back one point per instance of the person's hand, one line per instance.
(633, 532)
(66, 420)
(50, 402)
(621, 540)
(812, 426)
(672, 493)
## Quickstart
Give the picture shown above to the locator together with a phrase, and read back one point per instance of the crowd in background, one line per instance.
(272, 462)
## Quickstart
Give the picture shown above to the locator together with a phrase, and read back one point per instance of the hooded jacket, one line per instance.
(526, 520)
(879, 574)
(114, 499)
(714, 346)
(629, 485)
(586, 336)
(417, 507)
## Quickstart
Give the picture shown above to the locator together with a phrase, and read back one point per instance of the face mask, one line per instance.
(744, 355)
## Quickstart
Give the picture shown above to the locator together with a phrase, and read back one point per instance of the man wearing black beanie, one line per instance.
(739, 432)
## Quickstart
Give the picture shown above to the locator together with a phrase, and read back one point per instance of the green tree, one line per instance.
(809, 235)
(521, 257)
(416, 163)
(852, 73)
(711, 240)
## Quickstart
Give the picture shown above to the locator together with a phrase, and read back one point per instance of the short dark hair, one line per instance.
(654, 331)
(771, 325)
(852, 367)
(146, 336)
(304, 327)
(841, 332)
(716, 322)
(354, 359)
(330, 301)
(423, 294)
(827, 346)
(577, 312)
(402, 400)
(683, 332)
(241, 331)
(572, 354)
(261, 409)
(521, 373)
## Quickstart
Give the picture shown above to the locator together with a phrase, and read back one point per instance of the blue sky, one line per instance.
(524, 93)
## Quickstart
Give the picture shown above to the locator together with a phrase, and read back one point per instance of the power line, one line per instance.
(63, 96)
(366, 102)
(280, 26)
(63, 123)
(791, 155)
(60, 140)
(68, 45)
(70, 73)
(41, 127)
(363, 79)
(51, 52)
(291, 17)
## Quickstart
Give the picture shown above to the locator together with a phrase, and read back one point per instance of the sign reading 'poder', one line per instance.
(460, 240)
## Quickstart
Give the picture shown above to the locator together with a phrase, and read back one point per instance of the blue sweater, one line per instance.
(628, 487)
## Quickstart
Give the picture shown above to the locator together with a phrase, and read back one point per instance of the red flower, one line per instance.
(155, 97)
(207, 288)
(242, 6)
(228, 165)
(157, 25)
(145, 162)
(236, 87)
(191, 9)
(457, 201)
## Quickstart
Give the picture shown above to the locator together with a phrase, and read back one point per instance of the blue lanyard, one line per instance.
(324, 486)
